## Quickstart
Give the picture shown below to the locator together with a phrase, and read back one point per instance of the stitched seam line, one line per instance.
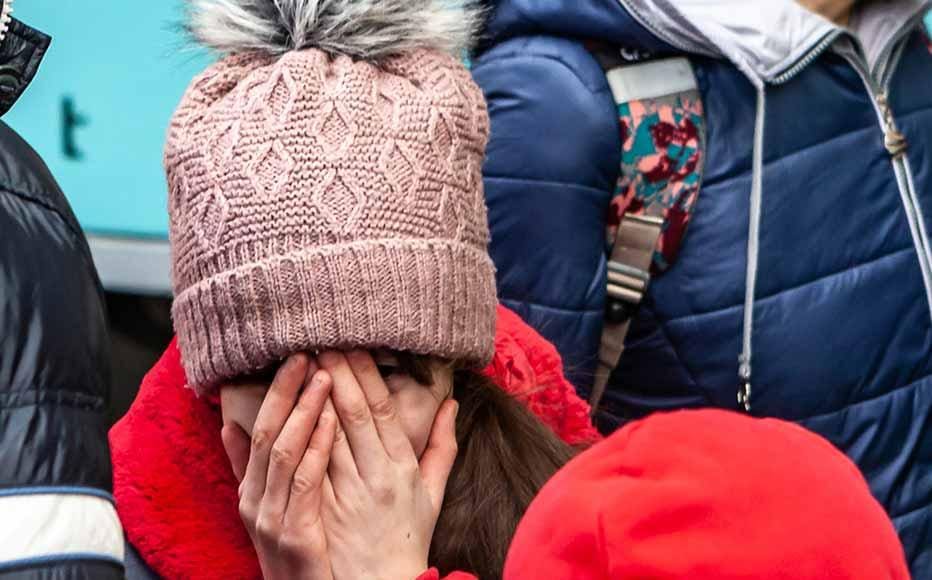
(547, 181)
(550, 307)
(849, 406)
(77, 235)
(57, 490)
(908, 513)
(824, 277)
(496, 61)
(676, 352)
(35, 396)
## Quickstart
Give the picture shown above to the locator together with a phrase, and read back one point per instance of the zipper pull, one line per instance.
(744, 386)
(744, 395)
(894, 141)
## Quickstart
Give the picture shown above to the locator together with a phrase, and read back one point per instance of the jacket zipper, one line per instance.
(744, 380)
(808, 58)
(894, 141)
(896, 145)
(6, 15)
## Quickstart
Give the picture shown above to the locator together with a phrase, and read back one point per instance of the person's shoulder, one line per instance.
(553, 117)
(565, 57)
(25, 175)
(21, 167)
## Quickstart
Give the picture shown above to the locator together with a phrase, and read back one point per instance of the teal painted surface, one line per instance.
(124, 69)
(929, 22)
(124, 66)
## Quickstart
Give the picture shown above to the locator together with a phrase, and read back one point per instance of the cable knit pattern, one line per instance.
(318, 201)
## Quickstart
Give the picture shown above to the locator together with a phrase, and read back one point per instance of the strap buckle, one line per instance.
(625, 290)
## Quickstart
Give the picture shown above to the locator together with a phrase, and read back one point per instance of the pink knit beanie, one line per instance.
(325, 186)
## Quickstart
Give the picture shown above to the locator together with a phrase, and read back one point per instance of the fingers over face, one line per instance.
(342, 472)
(307, 489)
(291, 445)
(275, 409)
(236, 444)
(438, 458)
(381, 406)
(357, 421)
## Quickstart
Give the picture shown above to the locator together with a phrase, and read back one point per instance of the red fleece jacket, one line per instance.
(175, 491)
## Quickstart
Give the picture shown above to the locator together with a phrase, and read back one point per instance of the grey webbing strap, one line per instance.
(628, 277)
(664, 81)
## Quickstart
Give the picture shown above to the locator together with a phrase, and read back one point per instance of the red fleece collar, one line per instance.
(176, 494)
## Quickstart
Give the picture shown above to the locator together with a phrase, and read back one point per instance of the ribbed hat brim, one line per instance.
(423, 296)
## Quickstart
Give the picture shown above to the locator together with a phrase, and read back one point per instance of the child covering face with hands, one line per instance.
(327, 223)
(323, 465)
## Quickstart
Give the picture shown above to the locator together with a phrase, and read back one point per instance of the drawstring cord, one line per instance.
(744, 361)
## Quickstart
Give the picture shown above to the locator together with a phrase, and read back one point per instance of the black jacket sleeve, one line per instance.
(57, 518)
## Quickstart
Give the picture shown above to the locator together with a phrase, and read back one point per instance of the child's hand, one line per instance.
(380, 507)
(282, 470)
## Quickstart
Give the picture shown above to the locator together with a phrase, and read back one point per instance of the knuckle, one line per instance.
(295, 544)
(357, 413)
(247, 512)
(410, 469)
(267, 529)
(383, 409)
(282, 456)
(302, 484)
(339, 436)
(260, 438)
(289, 544)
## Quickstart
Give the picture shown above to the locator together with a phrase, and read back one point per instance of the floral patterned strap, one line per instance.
(662, 130)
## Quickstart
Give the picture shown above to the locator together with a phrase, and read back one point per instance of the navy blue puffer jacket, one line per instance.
(839, 295)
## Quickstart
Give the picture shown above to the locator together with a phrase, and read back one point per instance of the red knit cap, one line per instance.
(707, 495)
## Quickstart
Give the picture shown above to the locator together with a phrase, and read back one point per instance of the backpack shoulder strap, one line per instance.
(662, 130)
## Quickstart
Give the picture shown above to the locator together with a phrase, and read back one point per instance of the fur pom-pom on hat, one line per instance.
(365, 29)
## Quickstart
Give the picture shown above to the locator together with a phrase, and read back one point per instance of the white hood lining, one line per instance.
(764, 38)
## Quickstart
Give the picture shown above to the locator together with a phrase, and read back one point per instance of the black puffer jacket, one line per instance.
(56, 514)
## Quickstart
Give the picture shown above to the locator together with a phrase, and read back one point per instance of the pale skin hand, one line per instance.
(282, 470)
(380, 505)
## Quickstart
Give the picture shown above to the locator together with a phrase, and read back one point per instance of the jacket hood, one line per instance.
(21, 50)
(764, 39)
